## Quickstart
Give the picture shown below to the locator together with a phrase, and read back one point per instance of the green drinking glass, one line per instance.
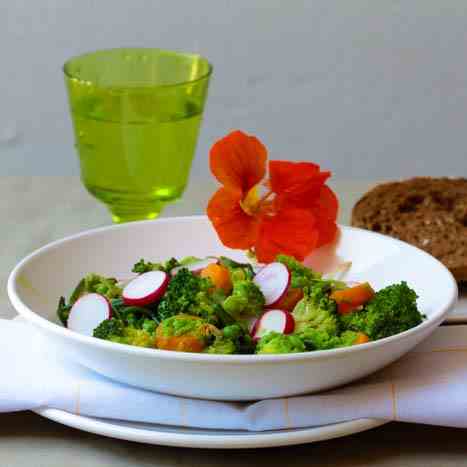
(136, 115)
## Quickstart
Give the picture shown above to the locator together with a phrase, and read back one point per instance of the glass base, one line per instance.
(129, 213)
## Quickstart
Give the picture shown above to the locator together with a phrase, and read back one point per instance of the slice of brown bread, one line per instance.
(430, 213)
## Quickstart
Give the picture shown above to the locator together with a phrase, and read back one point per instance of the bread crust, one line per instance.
(430, 213)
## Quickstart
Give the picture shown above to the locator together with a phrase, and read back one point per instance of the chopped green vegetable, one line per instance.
(143, 266)
(194, 315)
(114, 330)
(63, 311)
(191, 294)
(240, 337)
(221, 346)
(316, 310)
(110, 328)
(246, 300)
(239, 270)
(137, 337)
(150, 326)
(391, 311)
(182, 294)
(182, 325)
(208, 304)
(189, 260)
(94, 283)
(274, 342)
(301, 275)
(315, 339)
(136, 316)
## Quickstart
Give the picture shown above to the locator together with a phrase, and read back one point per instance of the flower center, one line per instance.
(254, 204)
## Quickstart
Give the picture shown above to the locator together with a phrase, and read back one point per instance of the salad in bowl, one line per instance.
(219, 306)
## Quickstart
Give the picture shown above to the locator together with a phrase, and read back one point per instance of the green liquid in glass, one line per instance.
(136, 143)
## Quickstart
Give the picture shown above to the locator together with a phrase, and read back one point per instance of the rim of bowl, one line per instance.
(47, 325)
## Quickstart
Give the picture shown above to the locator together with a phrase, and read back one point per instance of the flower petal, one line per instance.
(325, 209)
(328, 204)
(296, 177)
(238, 161)
(291, 231)
(235, 228)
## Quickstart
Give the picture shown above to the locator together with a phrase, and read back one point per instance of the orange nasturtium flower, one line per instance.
(295, 214)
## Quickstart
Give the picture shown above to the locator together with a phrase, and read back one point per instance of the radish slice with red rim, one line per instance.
(273, 320)
(145, 289)
(88, 312)
(273, 280)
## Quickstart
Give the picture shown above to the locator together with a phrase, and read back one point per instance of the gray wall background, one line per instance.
(369, 89)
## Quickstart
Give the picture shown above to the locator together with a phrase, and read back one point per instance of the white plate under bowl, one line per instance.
(213, 439)
(36, 283)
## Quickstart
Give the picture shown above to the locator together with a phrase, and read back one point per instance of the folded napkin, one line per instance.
(429, 385)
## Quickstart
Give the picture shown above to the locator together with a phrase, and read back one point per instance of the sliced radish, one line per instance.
(146, 288)
(197, 266)
(273, 320)
(88, 312)
(251, 323)
(273, 280)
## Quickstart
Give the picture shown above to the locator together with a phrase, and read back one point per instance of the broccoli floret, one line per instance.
(234, 331)
(240, 337)
(145, 266)
(315, 339)
(233, 339)
(208, 305)
(301, 275)
(246, 300)
(150, 326)
(316, 310)
(114, 330)
(110, 328)
(136, 337)
(221, 346)
(274, 342)
(182, 295)
(106, 286)
(94, 283)
(191, 294)
(182, 324)
(348, 338)
(391, 311)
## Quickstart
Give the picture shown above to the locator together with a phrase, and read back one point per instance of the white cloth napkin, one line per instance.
(429, 385)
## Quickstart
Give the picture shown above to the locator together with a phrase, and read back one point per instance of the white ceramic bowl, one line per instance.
(38, 280)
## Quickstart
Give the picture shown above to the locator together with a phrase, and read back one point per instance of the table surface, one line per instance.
(37, 210)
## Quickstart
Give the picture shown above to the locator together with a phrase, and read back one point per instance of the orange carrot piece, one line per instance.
(362, 338)
(290, 299)
(349, 299)
(219, 276)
